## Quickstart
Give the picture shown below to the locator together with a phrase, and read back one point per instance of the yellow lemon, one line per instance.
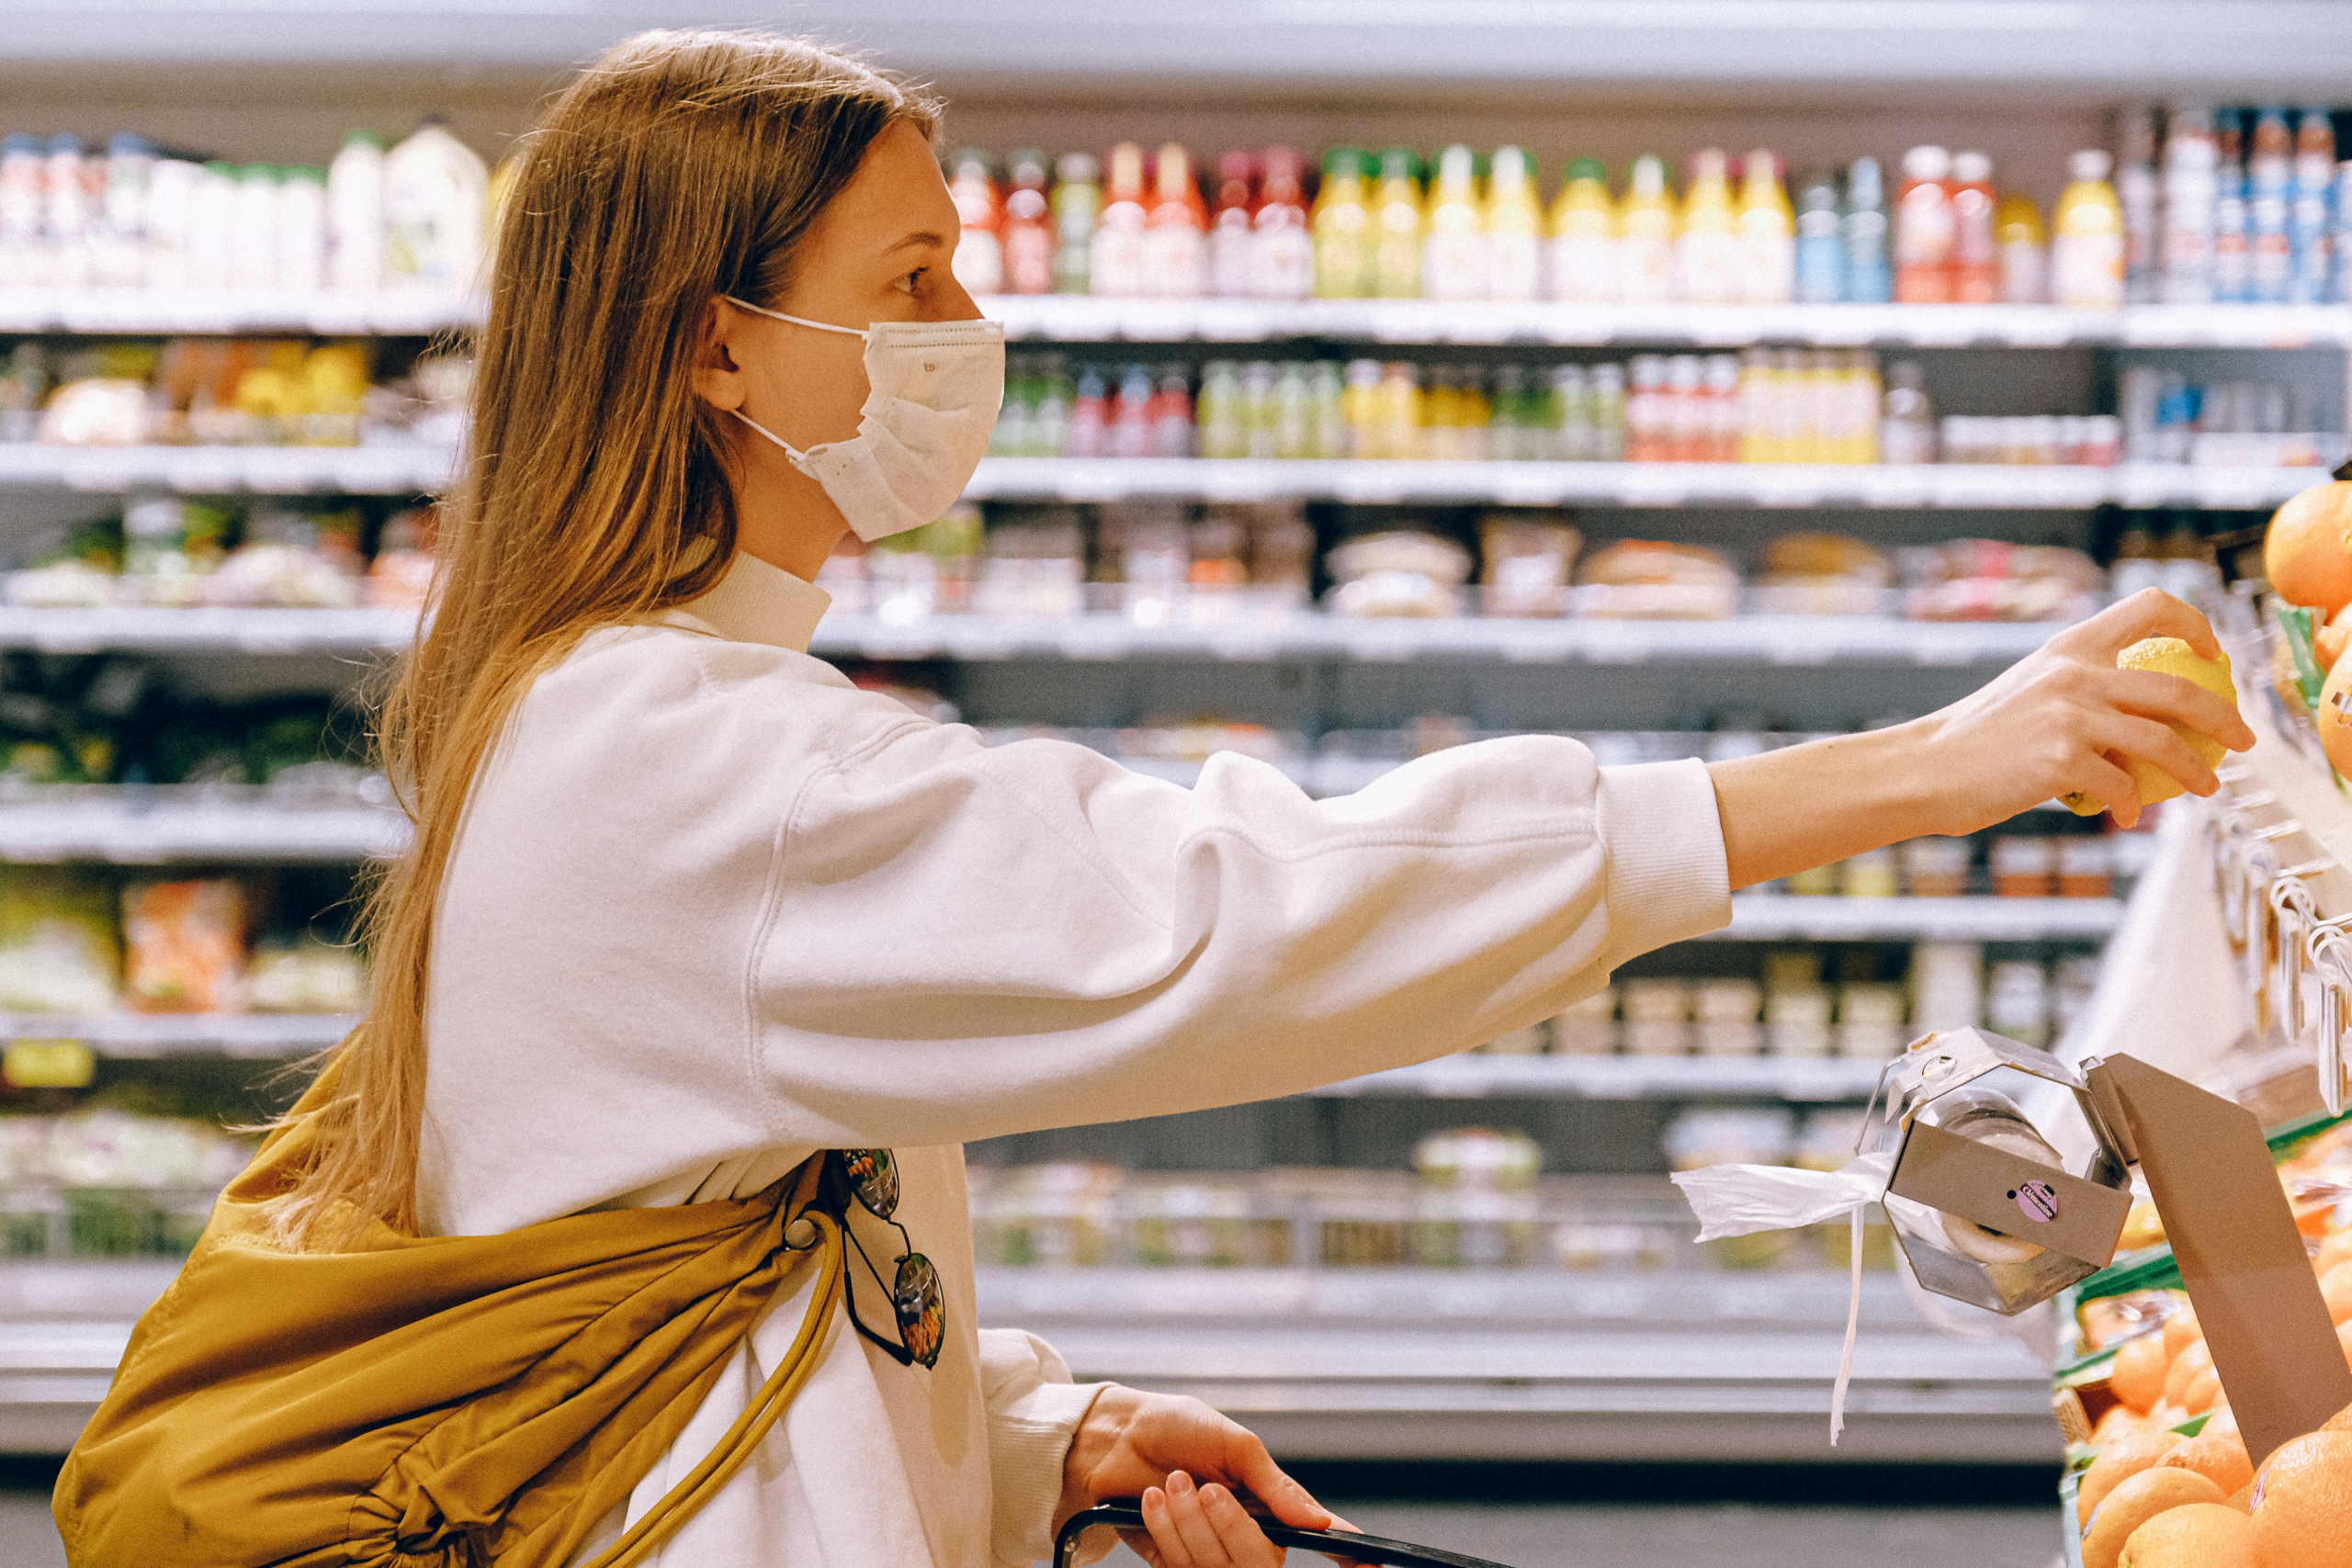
(2168, 655)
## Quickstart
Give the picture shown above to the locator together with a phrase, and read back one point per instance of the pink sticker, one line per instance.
(2037, 1200)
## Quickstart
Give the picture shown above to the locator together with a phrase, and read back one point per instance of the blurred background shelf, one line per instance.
(1479, 1076)
(242, 631)
(140, 1035)
(404, 313)
(406, 470)
(132, 827)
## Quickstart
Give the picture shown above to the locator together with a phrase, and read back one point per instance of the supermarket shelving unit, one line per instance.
(1341, 1362)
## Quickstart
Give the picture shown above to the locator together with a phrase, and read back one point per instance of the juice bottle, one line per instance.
(1090, 416)
(1131, 432)
(1077, 207)
(1906, 428)
(1359, 408)
(2086, 259)
(1295, 425)
(1645, 229)
(1689, 429)
(122, 211)
(1514, 228)
(1706, 243)
(978, 262)
(1583, 262)
(2270, 180)
(2136, 191)
(1170, 409)
(1396, 412)
(2017, 238)
(1282, 251)
(1870, 278)
(1343, 238)
(1175, 247)
(2233, 236)
(1767, 233)
(1398, 227)
(1976, 261)
(1116, 264)
(1453, 256)
(1648, 412)
(1028, 228)
(1820, 255)
(1760, 403)
(1231, 243)
(1605, 403)
(2185, 248)
(1923, 228)
(253, 245)
(435, 196)
(302, 229)
(1224, 432)
(67, 211)
(2309, 232)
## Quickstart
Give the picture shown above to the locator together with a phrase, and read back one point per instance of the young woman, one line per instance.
(686, 909)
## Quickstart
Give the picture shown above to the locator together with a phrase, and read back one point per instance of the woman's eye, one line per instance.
(913, 279)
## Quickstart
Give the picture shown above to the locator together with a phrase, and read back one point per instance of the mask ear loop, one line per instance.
(795, 321)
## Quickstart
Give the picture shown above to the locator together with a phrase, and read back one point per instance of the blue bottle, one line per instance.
(1870, 276)
(2233, 242)
(1821, 249)
(2309, 219)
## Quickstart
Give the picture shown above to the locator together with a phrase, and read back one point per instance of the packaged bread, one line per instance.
(1652, 580)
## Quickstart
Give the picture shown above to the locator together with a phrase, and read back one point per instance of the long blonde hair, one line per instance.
(680, 166)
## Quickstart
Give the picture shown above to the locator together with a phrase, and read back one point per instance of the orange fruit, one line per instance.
(2181, 1332)
(2305, 553)
(2329, 641)
(2195, 1535)
(2184, 1372)
(2243, 1499)
(2117, 1463)
(2334, 1247)
(2217, 1453)
(2333, 722)
(2119, 1422)
(2302, 1503)
(2134, 1502)
(2203, 1393)
(2138, 1376)
(2335, 1289)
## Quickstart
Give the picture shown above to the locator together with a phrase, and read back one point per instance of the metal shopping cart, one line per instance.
(1127, 1515)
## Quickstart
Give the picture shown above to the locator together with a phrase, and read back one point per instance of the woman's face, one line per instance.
(878, 252)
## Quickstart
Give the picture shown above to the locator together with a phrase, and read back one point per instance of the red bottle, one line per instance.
(1975, 259)
(1282, 264)
(979, 264)
(1923, 228)
(1230, 243)
(1028, 229)
(1175, 237)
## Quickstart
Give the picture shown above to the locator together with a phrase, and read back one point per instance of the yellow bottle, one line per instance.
(2086, 259)
(1706, 245)
(1768, 244)
(1584, 261)
(2018, 241)
(1453, 255)
(1645, 229)
(1398, 227)
(1342, 225)
(1514, 228)
(1398, 413)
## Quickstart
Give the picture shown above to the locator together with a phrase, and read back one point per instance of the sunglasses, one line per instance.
(917, 1299)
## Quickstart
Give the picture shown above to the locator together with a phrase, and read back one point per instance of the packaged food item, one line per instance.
(400, 576)
(1767, 233)
(1657, 1016)
(1728, 1013)
(1344, 248)
(1871, 1021)
(98, 411)
(1646, 227)
(1175, 241)
(1589, 1028)
(1924, 229)
(1475, 1206)
(1797, 1019)
(437, 199)
(2024, 867)
(2085, 866)
(1282, 254)
(1057, 1215)
(1990, 580)
(1399, 572)
(1975, 256)
(1650, 579)
(1871, 875)
(1399, 226)
(184, 946)
(2088, 258)
(1935, 867)
(1706, 243)
(58, 952)
(1514, 228)
(1815, 574)
(1453, 261)
(306, 975)
(1528, 563)
(2024, 259)
(2017, 1001)
(291, 560)
(1947, 986)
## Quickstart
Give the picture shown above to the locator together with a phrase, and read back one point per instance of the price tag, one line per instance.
(49, 1063)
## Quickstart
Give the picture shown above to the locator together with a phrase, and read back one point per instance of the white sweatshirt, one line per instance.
(714, 908)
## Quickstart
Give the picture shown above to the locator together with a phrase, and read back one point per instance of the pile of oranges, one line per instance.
(2155, 1499)
(2307, 555)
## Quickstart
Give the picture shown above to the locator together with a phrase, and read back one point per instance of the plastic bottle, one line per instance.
(1131, 432)
(1870, 275)
(1397, 227)
(2309, 231)
(122, 213)
(2269, 193)
(2339, 269)
(435, 196)
(1706, 243)
(69, 213)
(1645, 245)
(1975, 259)
(1295, 424)
(1116, 260)
(1176, 251)
(1172, 415)
(1648, 412)
(1819, 261)
(1232, 244)
(2019, 241)
(302, 228)
(1583, 264)
(171, 195)
(1396, 412)
(1089, 416)
(2087, 256)
(1514, 228)
(1924, 232)
(1282, 250)
(1454, 255)
(2136, 191)
(1606, 399)
(1077, 206)
(1028, 227)
(2232, 238)
(212, 220)
(2185, 249)
(1342, 224)
(1767, 233)
(1907, 426)
(355, 213)
(978, 262)
(22, 176)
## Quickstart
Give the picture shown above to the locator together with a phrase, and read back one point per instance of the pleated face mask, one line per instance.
(933, 390)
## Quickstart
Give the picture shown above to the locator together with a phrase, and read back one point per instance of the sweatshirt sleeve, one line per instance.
(964, 941)
(1034, 1410)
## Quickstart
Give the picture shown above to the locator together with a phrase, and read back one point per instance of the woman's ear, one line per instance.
(719, 378)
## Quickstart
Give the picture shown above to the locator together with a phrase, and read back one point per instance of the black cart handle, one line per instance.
(1127, 1515)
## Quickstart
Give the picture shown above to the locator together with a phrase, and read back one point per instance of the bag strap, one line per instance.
(768, 1407)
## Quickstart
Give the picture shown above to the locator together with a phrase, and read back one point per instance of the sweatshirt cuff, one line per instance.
(1028, 1441)
(1669, 878)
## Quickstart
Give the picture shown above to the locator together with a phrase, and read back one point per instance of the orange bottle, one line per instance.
(1116, 263)
(1176, 222)
(1923, 228)
(1975, 257)
(978, 262)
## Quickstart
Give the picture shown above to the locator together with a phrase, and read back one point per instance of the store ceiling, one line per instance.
(2082, 48)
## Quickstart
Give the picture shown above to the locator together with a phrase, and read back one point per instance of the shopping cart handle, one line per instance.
(1127, 1515)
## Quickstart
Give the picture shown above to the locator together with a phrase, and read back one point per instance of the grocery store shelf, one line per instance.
(1474, 1076)
(191, 1033)
(330, 312)
(1770, 640)
(1681, 1363)
(405, 470)
(1776, 917)
(132, 827)
(1084, 318)
(2021, 486)
(257, 631)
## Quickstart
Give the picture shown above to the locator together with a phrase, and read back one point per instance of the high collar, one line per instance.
(755, 602)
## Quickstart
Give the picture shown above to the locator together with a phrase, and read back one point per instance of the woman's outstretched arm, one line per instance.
(2054, 723)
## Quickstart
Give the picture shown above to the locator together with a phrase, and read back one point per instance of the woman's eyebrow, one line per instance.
(920, 237)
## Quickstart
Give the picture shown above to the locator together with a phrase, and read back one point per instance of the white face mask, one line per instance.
(933, 390)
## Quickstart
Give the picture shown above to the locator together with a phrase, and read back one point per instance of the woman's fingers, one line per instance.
(2159, 745)
(1205, 1528)
(2151, 612)
(2111, 786)
(2177, 701)
(1249, 1463)
(1236, 1530)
